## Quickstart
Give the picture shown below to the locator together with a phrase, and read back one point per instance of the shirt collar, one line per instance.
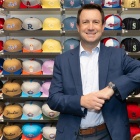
(82, 49)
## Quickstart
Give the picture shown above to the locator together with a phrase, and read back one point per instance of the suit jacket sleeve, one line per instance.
(60, 101)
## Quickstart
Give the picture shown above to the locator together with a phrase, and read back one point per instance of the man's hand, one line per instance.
(95, 100)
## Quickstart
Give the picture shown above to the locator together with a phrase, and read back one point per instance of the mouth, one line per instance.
(91, 33)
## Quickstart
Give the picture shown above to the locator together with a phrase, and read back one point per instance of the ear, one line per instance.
(77, 27)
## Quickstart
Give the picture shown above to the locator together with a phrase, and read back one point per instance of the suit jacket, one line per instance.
(66, 91)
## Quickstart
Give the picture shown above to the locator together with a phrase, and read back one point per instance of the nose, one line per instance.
(91, 26)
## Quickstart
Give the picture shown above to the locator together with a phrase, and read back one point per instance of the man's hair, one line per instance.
(90, 7)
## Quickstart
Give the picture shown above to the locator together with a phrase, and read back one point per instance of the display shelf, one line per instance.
(28, 55)
(134, 121)
(14, 99)
(22, 121)
(133, 99)
(31, 33)
(134, 55)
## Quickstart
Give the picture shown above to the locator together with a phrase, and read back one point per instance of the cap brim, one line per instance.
(24, 117)
(5, 118)
(23, 94)
(14, 73)
(44, 95)
(18, 138)
(39, 137)
(47, 118)
(6, 96)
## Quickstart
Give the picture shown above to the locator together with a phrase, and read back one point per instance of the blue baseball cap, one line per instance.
(92, 2)
(1, 65)
(113, 22)
(32, 130)
(71, 3)
(69, 23)
(70, 43)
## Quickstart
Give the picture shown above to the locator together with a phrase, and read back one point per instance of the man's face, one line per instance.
(90, 26)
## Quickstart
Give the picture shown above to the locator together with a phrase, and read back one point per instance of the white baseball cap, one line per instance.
(32, 24)
(32, 45)
(31, 67)
(48, 113)
(32, 110)
(30, 89)
(49, 132)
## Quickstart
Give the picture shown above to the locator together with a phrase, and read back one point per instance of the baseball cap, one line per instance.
(1, 2)
(113, 22)
(51, 45)
(111, 42)
(45, 88)
(71, 3)
(12, 88)
(32, 45)
(1, 46)
(32, 110)
(47, 67)
(12, 66)
(30, 4)
(136, 137)
(48, 113)
(1, 129)
(51, 23)
(31, 89)
(137, 93)
(11, 4)
(2, 106)
(130, 45)
(70, 43)
(12, 132)
(130, 23)
(92, 2)
(133, 111)
(32, 131)
(1, 65)
(12, 24)
(12, 45)
(69, 23)
(131, 4)
(12, 111)
(49, 132)
(50, 3)
(31, 67)
(111, 4)
(32, 24)
(2, 20)
(134, 130)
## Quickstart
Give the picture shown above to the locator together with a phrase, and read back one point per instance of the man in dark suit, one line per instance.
(90, 84)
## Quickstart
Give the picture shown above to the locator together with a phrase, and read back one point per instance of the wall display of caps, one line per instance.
(39, 110)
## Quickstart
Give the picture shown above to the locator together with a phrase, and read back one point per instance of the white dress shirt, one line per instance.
(90, 83)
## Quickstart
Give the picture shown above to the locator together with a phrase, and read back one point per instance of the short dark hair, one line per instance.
(90, 7)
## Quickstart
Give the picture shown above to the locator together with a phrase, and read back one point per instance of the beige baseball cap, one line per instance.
(12, 111)
(11, 4)
(12, 24)
(12, 88)
(12, 45)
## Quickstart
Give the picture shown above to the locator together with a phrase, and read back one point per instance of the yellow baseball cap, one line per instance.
(50, 3)
(51, 45)
(51, 24)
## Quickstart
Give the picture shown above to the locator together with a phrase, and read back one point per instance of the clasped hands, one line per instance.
(95, 100)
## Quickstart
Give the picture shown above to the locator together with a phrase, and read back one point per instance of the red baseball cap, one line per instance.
(134, 129)
(30, 4)
(2, 20)
(39, 137)
(133, 111)
(1, 45)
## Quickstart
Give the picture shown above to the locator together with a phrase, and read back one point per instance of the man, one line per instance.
(90, 84)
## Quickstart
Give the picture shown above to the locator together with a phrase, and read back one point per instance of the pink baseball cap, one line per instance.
(45, 89)
(31, 67)
(47, 67)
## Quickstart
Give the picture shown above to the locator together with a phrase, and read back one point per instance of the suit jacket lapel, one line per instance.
(103, 65)
(74, 61)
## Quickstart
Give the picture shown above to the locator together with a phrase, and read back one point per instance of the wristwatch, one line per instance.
(112, 86)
